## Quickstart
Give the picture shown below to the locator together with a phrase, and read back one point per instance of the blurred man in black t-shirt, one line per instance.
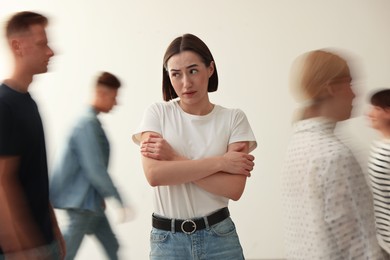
(28, 228)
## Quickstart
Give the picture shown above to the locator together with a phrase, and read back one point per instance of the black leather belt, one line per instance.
(189, 226)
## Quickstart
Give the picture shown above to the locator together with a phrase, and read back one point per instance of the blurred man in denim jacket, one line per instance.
(80, 181)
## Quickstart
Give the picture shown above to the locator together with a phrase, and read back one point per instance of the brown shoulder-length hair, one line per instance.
(187, 42)
(20, 22)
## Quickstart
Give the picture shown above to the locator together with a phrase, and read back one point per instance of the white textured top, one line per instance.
(327, 202)
(379, 172)
(194, 137)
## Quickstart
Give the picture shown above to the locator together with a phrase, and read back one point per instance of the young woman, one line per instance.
(328, 205)
(195, 155)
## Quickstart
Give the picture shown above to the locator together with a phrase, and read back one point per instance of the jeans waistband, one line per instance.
(189, 226)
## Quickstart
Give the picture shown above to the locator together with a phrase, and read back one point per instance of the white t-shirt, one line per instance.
(194, 137)
(327, 202)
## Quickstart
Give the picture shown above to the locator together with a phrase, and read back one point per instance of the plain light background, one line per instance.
(253, 42)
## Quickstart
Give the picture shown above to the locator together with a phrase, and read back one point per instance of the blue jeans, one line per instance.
(216, 242)
(89, 223)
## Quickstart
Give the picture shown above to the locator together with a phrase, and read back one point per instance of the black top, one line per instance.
(21, 134)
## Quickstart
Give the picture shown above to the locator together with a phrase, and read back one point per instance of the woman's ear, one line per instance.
(331, 89)
(211, 68)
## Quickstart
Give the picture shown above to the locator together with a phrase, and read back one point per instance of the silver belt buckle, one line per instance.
(193, 226)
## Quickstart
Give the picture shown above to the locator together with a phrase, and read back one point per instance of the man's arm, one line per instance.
(18, 231)
(57, 232)
(93, 160)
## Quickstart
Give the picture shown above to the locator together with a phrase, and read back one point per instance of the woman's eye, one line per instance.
(174, 75)
(193, 71)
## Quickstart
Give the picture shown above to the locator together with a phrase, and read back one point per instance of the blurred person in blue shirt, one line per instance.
(80, 181)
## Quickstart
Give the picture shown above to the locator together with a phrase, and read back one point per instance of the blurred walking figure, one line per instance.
(81, 182)
(327, 202)
(28, 228)
(379, 164)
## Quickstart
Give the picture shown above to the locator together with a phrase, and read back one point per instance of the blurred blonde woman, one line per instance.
(328, 205)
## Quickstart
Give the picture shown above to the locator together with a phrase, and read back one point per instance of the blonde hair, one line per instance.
(312, 72)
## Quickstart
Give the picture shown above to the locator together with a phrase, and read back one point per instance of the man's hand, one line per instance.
(125, 214)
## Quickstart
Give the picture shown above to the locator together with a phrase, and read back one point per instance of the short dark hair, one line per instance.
(108, 80)
(21, 22)
(187, 42)
(381, 98)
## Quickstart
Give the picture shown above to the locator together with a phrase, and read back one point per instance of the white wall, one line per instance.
(253, 43)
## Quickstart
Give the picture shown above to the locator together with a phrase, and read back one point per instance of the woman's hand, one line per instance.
(238, 163)
(156, 147)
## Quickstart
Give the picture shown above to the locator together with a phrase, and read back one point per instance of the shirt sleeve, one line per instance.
(241, 130)
(150, 122)
(9, 143)
(342, 182)
(93, 159)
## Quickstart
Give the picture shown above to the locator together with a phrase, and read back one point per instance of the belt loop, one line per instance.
(173, 225)
(206, 222)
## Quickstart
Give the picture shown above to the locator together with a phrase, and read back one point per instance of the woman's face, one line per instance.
(379, 118)
(343, 96)
(190, 77)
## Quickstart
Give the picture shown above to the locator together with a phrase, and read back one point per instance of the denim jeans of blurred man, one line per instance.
(81, 223)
